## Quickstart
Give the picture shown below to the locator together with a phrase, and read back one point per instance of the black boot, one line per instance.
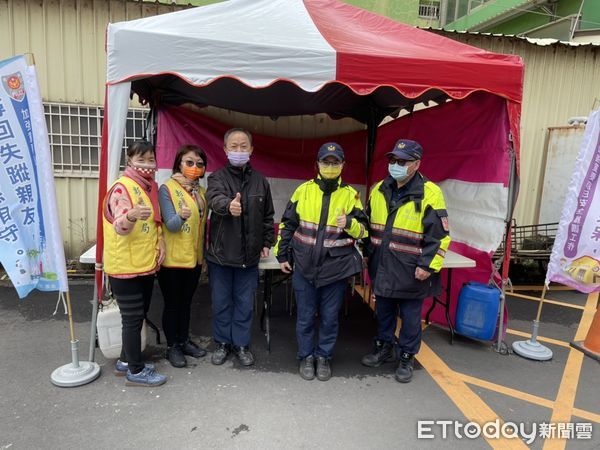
(244, 356)
(175, 356)
(307, 368)
(382, 352)
(191, 349)
(323, 369)
(405, 368)
(219, 356)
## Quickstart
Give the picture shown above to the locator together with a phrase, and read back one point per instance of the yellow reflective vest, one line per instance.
(184, 248)
(406, 232)
(135, 252)
(310, 238)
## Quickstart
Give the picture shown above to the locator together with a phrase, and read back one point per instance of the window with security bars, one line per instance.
(429, 9)
(75, 133)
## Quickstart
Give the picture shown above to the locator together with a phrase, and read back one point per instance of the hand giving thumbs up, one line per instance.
(235, 207)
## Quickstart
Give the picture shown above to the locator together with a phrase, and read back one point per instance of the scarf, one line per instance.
(151, 189)
(193, 188)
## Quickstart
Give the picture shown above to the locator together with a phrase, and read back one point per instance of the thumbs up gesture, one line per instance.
(235, 207)
(185, 212)
(139, 211)
(341, 219)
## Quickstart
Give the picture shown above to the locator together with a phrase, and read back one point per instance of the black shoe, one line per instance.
(307, 368)
(244, 355)
(175, 356)
(323, 369)
(404, 371)
(191, 349)
(220, 354)
(382, 352)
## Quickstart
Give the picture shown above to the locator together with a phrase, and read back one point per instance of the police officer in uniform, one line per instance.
(317, 234)
(408, 239)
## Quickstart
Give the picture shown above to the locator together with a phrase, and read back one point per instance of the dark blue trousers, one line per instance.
(327, 301)
(232, 290)
(409, 310)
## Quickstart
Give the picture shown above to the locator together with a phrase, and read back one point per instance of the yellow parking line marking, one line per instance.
(469, 403)
(520, 395)
(540, 401)
(539, 338)
(565, 400)
(540, 288)
(587, 415)
(553, 302)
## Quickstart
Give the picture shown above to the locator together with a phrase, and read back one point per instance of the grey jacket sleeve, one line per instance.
(171, 219)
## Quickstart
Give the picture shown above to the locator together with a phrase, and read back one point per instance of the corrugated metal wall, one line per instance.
(561, 82)
(67, 39)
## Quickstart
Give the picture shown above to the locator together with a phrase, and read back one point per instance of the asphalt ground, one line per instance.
(269, 405)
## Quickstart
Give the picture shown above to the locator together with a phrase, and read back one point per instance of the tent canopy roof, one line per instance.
(288, 57)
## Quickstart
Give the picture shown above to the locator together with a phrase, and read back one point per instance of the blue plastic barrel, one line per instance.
(477, 311)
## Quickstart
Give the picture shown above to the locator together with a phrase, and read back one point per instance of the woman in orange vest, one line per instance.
(184, 212)
(133, 253)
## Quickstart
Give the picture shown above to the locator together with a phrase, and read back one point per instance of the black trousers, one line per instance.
(133, 297)
(178, 287)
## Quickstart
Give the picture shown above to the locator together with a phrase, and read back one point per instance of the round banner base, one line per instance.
(69, 376)
(532, 350)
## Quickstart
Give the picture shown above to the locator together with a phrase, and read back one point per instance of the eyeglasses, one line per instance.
(330, 163)
(400, 162)
(191, 163)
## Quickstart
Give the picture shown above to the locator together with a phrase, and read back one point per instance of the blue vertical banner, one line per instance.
(31, 249)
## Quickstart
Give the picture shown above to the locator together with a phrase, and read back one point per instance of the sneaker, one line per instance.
(175, 356)
(245, 356)
(147, 377)
(220, 354)
(190, 348)
(122, 367)
(323, 369)
(405, 368)
(382, 352)
(307, 368)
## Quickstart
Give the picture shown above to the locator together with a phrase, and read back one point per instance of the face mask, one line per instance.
(238, 159)
(330, 172)
(145, 170)
(398, 172)
(193, 173)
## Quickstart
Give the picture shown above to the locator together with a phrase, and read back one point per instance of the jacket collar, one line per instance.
(328, 186)
(238, 171)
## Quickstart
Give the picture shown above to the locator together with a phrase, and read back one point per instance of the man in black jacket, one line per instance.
(241, 231)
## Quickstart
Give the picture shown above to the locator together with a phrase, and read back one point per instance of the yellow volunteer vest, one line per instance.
(408, 222)
(185, 248)
(136, 252)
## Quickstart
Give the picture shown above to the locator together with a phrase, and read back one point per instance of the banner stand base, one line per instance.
(586, 351)
(532, 350)
(77, 373)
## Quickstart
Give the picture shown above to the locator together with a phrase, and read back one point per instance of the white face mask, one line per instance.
(398, 172)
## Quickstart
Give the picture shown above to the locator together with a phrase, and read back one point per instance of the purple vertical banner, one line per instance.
(575, 259)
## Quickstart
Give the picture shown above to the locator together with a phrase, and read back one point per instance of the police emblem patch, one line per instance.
(445, 223)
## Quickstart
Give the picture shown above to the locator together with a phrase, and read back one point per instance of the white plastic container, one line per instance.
(109, 331)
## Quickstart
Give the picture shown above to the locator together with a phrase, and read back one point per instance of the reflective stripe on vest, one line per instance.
(137, 251)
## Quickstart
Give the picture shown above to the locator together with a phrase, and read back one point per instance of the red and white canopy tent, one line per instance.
(291, 57)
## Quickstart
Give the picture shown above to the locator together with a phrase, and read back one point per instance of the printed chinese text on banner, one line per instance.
(575, 259)
(31, 248)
